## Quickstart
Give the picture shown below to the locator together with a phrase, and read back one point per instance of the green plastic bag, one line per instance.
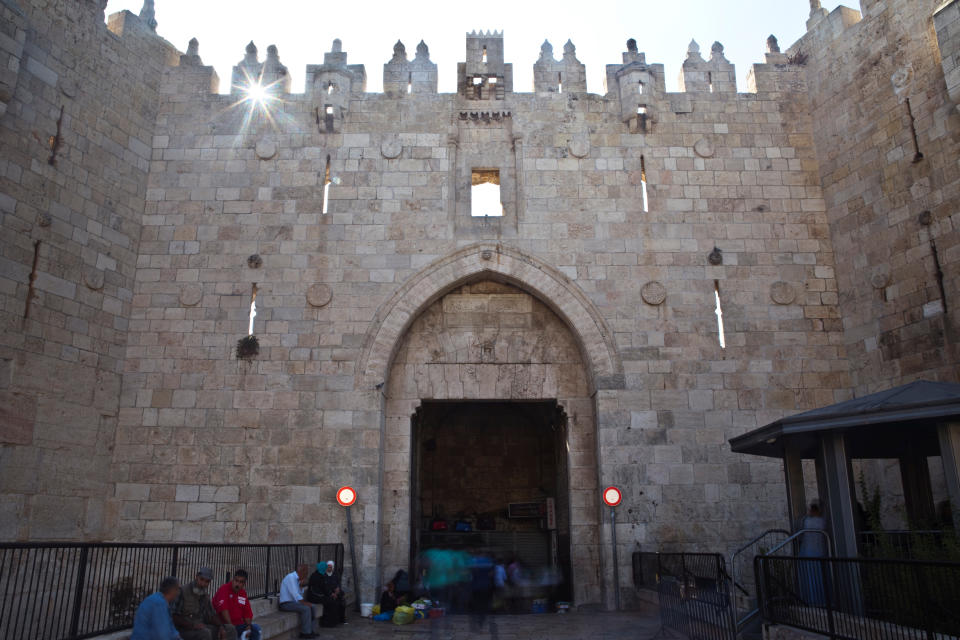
(403, 615)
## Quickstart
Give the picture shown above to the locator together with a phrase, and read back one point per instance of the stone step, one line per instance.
(275, 624)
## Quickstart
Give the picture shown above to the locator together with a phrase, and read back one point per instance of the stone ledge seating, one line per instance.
(275, 624)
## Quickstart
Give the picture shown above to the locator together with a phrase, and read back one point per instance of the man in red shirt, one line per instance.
(233, 606)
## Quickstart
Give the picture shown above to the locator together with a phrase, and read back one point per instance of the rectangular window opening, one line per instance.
(640, 88)
(253, 307)
(410, 83)
(719, 311)
(493, 79)
(330, 88)
(484, 55)
(326, 188)
(485, 193)
(643, 183)
(560, 82)
(710, 80)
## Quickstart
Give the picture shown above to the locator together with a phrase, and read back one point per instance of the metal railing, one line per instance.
(861, 599)
(904, 544)
(748, 587)
(795, 538)
(694, 595)
(646, 564)
(71, 591)
(741, 567)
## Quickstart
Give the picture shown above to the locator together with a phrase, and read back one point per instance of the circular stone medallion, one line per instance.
(93, 278)
(880, 279)
(391, 147)
(653, 293)
(266, 149)
(191, 295)
(319, 295)
(704, 148)
(782, 292)
(579, 147)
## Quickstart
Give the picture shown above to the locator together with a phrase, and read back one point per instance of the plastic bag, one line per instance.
(384, 617)
(376, 610)
(403, 615)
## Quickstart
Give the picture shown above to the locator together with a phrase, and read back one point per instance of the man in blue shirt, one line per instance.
(291, 599)
(152, 620)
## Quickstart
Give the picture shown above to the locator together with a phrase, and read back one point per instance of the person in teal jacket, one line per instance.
(152, 620)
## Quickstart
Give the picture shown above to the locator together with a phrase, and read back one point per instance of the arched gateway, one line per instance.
(488, 363)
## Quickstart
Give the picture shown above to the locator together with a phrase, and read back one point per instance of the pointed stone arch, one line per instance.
(497, 262)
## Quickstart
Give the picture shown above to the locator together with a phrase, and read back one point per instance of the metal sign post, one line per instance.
(346, 496)
(612, 497)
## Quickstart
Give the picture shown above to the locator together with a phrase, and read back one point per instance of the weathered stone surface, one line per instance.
(17, 416)
(319, 295)
(379, 290)
(782, 292)
(266, 149)
(654, 293)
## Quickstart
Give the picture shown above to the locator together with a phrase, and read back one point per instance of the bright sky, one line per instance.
(304, 29)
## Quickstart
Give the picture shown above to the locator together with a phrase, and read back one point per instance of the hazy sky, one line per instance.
(304, 29)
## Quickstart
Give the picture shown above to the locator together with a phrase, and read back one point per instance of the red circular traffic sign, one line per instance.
(346, 496)
(612, 496)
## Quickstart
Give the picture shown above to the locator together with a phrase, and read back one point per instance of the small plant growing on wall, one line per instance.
(247, 347)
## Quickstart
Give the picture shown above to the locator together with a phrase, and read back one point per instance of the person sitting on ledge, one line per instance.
(291, 599)
(152, 620)
(334, 601)
(389, 599)
(193, 613)
(233, 606)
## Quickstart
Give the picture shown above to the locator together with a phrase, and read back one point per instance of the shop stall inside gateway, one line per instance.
(490, 482)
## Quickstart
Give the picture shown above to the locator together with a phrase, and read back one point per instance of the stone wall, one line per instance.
(887, 155)
(335, 292)
(78, 106)
(346, 215)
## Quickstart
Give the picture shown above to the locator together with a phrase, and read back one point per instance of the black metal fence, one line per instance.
(72, 591)
(861, 599)
(694, 595)
(908, 544)
(645, 568)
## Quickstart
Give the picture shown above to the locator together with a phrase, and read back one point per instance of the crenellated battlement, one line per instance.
(484, 73)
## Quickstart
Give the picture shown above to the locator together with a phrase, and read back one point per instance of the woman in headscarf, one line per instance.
(314, 590)
(325, 583)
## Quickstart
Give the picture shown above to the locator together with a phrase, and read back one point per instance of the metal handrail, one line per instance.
(862, 598)
(750, 615)
(800, 532)
(736, 578)
(733, 556)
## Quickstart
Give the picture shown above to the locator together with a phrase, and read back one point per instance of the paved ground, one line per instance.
(548, 626)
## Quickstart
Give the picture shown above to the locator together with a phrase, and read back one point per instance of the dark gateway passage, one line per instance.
(490, 479)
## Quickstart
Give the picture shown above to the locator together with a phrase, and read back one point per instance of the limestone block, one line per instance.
(187, 493)
(18, 414)
(201, 511)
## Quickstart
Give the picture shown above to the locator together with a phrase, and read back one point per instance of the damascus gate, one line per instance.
(223, 298)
